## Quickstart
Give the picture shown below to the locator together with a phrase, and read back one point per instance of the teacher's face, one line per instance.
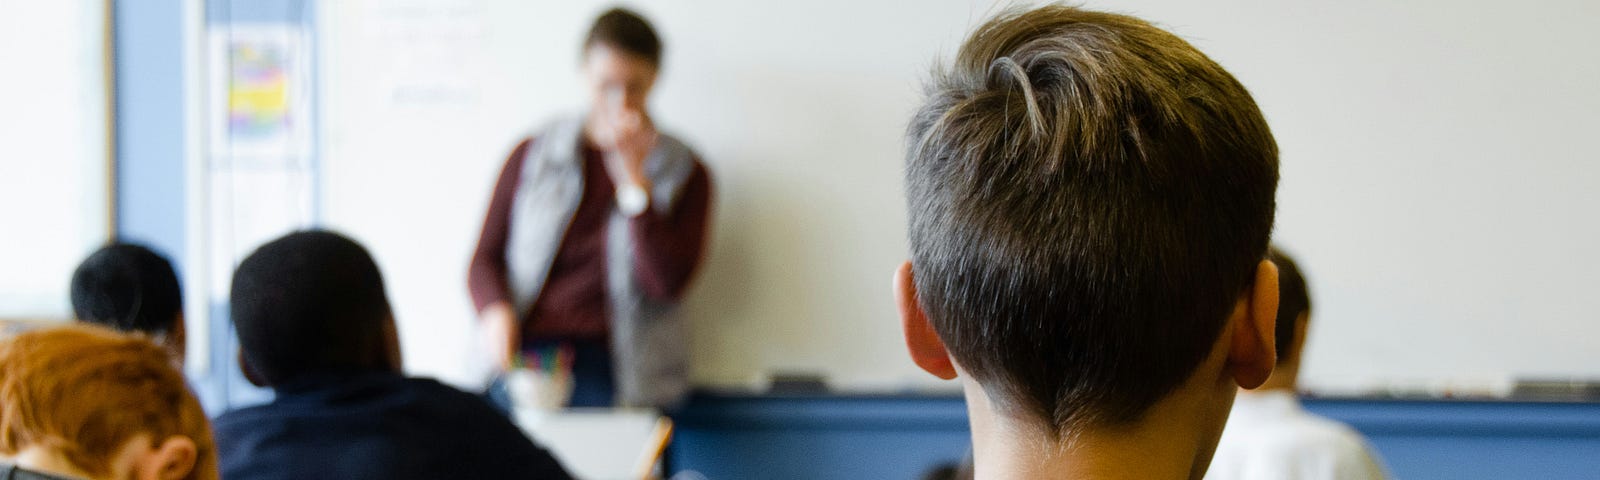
(618, 81)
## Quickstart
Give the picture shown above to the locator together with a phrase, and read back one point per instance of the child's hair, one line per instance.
(85, 391)
(1294, 299)
(1089, 196)
(129, 288)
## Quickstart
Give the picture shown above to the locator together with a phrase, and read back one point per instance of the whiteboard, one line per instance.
(1438, 182)
(55, 157)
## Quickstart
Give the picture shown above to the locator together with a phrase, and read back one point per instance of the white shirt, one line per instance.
(1270, 437)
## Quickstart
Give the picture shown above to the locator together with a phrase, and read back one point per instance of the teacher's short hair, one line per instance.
(625, 30)
(1089, 197)
(309, 302)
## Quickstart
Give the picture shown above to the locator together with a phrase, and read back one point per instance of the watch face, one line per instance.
(632, 200)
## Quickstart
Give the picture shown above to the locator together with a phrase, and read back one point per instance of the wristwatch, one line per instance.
(632, 199)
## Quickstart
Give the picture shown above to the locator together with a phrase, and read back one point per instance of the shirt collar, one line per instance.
(324, 380)
(1266, 403)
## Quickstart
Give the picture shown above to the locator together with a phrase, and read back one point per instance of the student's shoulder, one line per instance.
(246, 417)
(1343, 446)
(491, 445)
(1290, 434)
(13, 472)
(454, 404)
(437, 390)
(1330, 432)
(458, 416)
(1349, 452)
(1301, 446)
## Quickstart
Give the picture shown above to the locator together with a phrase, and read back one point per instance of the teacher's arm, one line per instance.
(667, 246)
(486, 277)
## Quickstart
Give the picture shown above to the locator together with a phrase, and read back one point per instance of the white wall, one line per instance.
(1437, 182)
(796, 109)
(54, 157)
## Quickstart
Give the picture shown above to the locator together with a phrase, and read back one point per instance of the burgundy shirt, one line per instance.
(573, 303)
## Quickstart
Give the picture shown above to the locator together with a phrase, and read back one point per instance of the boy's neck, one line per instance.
(1174, 440)
(1171, 442)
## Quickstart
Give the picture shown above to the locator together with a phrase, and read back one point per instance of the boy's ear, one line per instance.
(250, 373)
(1253, 353)
(174, 459)
(392, 356)
(927, 350)
(177, 340)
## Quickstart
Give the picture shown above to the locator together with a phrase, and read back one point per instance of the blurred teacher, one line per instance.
(597, 223)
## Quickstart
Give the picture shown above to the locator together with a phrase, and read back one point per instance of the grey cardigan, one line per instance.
(649, 342)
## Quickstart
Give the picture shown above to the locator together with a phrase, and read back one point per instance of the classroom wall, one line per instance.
(1435, 196)
(796, 109)
(54, 151)
(1435, 182)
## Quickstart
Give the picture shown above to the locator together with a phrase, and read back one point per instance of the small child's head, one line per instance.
(1294, 314)
(1090, 199)
(85, 401)
(131, 288)
(312, 303)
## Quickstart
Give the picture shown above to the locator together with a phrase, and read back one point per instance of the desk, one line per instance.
(599, 444)
(734, 436)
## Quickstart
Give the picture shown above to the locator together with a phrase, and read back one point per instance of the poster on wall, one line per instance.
(260, 179)
(260, 94)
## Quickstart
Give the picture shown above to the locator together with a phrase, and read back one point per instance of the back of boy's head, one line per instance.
(310, 302)
(85, 391)
(1089, 197)
(1294, 300)
(129, 288)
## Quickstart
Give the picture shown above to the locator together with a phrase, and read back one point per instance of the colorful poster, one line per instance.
(260, 180)
(258, 91)
(259, 95)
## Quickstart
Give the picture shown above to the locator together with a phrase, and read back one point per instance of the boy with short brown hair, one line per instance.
(1090, 199)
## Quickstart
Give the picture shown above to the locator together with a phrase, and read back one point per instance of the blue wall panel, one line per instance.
(890, 437)
(148, 52)
(1465, 439)
(805, 437)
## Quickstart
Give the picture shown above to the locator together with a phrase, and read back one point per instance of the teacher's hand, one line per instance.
(503, 333)
(629, 138)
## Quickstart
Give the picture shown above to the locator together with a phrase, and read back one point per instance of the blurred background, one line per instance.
(1439, 181)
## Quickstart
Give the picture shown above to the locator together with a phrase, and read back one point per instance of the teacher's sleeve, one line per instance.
(667, 247)
(486, 277)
